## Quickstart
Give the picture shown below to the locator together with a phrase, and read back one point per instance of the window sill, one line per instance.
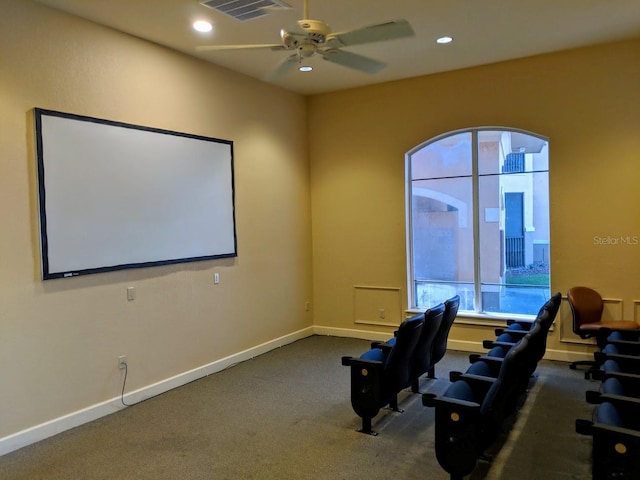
(482, 319)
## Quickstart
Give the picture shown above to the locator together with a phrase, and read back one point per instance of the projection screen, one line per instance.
(114, 195)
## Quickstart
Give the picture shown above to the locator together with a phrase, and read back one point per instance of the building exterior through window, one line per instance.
(478, 221)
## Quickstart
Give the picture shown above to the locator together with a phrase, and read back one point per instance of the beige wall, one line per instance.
(60, 339)
(587, 102)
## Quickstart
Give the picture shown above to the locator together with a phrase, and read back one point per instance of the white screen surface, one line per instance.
(115, 195)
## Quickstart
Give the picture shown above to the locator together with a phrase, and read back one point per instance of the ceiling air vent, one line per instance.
(245, 9)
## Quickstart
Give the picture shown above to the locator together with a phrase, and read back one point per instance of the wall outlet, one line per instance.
(122, 362)
(382, 314)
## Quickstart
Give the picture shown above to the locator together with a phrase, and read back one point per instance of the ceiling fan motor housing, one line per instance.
(316, 30)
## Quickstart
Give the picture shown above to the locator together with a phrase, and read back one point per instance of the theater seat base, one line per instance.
(366, 428)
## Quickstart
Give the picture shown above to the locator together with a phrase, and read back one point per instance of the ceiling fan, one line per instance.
(316, 38)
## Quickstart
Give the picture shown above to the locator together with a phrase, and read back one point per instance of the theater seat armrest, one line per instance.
(584, 427)
(630, 343)
(429, 399)
(489, 344)
(385, 347)
(361, 362)
(620, 432)
(364, 363)
(603, 375)
(626, 405)
(515, 333)
(472, 377)
(478, 383)
(432, 400)
(524, 322)
(486, 358)
(631, 360)
(593, 397)
(631, 382)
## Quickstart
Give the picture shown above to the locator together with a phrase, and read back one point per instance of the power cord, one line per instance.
(124, 383)
(126, 373)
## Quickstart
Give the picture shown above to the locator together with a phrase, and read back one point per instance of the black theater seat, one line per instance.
(380, 373)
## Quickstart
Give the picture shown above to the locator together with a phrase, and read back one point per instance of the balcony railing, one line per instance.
(514, 252)
(513, 163)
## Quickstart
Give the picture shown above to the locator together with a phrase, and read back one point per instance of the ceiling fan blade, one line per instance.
(271, 46)
(352, 60)
(370, 34)
(285, 67)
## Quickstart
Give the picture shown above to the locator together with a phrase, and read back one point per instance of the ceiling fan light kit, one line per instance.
(315, 37)
(202, 26)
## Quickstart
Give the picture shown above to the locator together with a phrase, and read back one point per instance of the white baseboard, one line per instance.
(459, 345)
(45, 430)
(350, 333)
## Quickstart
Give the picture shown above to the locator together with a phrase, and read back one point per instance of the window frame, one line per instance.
(477, 317)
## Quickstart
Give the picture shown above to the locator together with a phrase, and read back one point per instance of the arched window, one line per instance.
(478, 221)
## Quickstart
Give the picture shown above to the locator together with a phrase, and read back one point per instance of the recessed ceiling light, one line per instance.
(305, 68)
(202, 26)
(444, 40)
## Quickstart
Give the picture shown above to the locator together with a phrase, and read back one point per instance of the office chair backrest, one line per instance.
(440, 341)
(586, 307)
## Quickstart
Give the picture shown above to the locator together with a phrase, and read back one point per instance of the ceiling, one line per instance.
(483, 31)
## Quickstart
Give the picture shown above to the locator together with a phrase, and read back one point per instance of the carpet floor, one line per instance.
(287, 415)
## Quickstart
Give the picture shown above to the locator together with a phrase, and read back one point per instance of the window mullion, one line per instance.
(476, 221)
